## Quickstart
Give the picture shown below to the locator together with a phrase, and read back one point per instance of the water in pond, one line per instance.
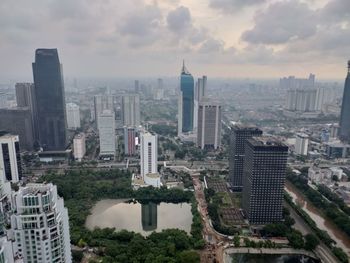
(140, 218)
(251, 258)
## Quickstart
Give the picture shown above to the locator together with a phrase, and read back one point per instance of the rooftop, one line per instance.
(266, 141)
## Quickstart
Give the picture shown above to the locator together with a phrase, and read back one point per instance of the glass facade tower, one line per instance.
(50, 100)
(344, 132)
(187, 89)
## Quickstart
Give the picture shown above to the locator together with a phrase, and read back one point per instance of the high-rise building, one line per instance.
(129, 141)
(149, 159)
(73, 116)
(264, 172)
(107, 134)
(10, 159)
(199, 94)
(344, 132)
(40, 224)
(239, 135)
(301, 144)
(137, 86)
(209, 125)
(50, 100)
(6, 251)
(131, 110)
(79, 147)
(102, 103)
(292, 82)
(186, 101)
(19, 121)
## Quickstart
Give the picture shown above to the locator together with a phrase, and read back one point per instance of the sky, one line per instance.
(146, 38)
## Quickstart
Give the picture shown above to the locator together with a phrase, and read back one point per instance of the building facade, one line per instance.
(107, 134)
(149, 159)
(10, 159)
(50, 100)
(40, 225)
(131, 110)
(102, 103)
(238, 137)
(79, 147)
(186, 112)
(209, 125)
(73, 116)
(129, 141)
(301, 144)
(344, 132)
(264, 174)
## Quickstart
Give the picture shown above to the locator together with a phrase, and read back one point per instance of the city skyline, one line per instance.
(225, 38)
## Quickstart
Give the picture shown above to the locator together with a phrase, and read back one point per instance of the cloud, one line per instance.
(233, 5)
(282, 22)
(179, 20)
(336, 11)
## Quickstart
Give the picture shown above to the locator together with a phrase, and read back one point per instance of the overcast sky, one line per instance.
(219, 38)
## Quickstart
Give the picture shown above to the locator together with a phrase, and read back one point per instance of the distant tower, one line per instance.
(73, 116)
(131, 110)
(264, 174)
(238, 137)
(101, 103)
(344, 132)
(129, 141)
(106, 132)
(50, 100)
(187, 100)
(10, 159)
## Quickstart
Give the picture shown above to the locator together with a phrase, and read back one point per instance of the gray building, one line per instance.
(344, 132)
(131, 110)
(18, 121)
(102, 103)
(239, 135)
(50, 100)
(209, 125)
(264, 174)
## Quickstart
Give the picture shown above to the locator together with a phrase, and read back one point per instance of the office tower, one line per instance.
(159, 91)
(264, 174)
(239, 135)
(344, 132)
(102, 103)
(129, 141)
(334, 130)
(50, 100)
(73, 116)
(149, 159)
(40, 224)
(149, 216)
(107, 134)
(10, 159)
(209, 125)
(19, 121)
(199, 94)
(131, 110)
(301, 144)
(79, 147)
(186, 103)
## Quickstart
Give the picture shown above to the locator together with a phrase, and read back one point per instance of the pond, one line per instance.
(140, 218)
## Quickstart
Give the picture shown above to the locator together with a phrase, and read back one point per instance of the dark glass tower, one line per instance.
(344, 132)
(264, 174)
(238, 137)
(187, 89)
(50, 100)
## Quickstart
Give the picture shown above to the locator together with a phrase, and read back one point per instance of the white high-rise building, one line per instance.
(209, 125)
(39, 224)
(106, 131)
(149, 159)
(131, 110)
(73, 116)
(6, 251)
(10, 159)
(199, 94)
(301, 144)
(102, 103)
(79, 147)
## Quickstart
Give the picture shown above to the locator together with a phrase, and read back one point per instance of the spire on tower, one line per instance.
(184, 69)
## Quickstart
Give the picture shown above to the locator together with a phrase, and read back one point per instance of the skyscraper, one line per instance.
(106, 132)
(79, 146)
(129, 141)
(187, 101)
(40, 224)
(73, 116)
(199, 94)
(149, 159)
(209, 125)
(10, 159)
(239, 135)
(131, 110)
(301, 144)
(264, 172)
(50, 100)
(344, 132)
(101, 103)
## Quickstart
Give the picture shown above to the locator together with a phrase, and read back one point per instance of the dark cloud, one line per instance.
(179, 19)
(233, 5)
(282, 22)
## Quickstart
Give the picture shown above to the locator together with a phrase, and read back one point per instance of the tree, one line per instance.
(236, 240)
(295, 239)
(311, 242)
(189, 256)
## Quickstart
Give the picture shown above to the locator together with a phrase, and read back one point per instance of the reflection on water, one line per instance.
(143, 219)
(334, 232)
(149, 216)
(251, 258)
